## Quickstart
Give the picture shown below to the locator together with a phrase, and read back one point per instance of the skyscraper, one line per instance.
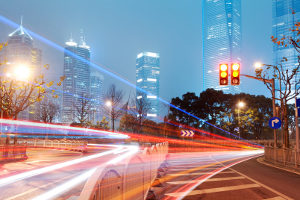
(221, 40)
(20, 52)
(77, 82)
(283, 21)
(96, 88)
(147, 78)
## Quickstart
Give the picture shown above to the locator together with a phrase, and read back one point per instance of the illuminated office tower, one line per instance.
(20, 52)
(77, 78)
(283, 21)
(221, 40)
(147, 78)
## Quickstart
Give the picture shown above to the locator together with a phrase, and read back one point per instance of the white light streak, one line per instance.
(18, 177)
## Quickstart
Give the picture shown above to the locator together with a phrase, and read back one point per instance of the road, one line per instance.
(225, 176)
(53, 174)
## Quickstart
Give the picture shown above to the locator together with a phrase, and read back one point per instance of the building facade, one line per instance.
(147, 78)
(222, 37)
(283, 21)
(77, 78)
(96, 90)
(20, 52)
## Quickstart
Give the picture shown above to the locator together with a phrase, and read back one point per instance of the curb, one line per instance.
(262, 161)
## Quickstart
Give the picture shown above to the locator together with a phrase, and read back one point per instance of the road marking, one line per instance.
(263, 185)
(275, 198)
(200, 173)
(184, 168)
(208, 180)
(214, 190)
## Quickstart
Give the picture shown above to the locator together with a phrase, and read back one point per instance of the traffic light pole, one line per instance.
(272, 82)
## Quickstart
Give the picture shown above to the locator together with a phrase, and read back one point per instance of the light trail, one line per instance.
(55, 192)
(21, 176)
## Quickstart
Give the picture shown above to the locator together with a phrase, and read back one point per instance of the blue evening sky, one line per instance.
(117, 30)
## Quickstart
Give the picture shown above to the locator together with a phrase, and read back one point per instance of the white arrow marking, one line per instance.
(274, 121)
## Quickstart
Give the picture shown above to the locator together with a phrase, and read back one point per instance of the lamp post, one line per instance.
(240, 105)
(258, 67)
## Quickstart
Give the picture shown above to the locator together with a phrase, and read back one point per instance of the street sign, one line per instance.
(298, 102)
(185, 133)
(275, 123)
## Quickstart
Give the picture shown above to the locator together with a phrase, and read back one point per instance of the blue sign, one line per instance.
(298, 102)
(275, 123)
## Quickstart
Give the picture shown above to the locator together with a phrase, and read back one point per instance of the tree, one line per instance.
(22, 87)
(113, 99)
(82, 110)
(285, 75)
(102, 125)
(47, 110)
(141, 108)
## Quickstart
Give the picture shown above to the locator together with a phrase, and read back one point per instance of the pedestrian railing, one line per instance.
(12, 153)
(284, 156)
(131, 179)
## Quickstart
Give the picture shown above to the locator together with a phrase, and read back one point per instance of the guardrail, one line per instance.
(287, 157)
(130, 180)
(71, 145)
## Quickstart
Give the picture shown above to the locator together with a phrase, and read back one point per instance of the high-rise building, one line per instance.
(77, 78)
(147, 78)
(221, 40)
(283, 21)
(20, 52)
(96, 88)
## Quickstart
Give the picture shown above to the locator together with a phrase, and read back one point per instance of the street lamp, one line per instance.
(240, 105)
(109, 105)
(21, 72)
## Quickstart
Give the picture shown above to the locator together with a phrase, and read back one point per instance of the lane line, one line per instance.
(263, 185)
(200, 173)
(275, 198)
(209, 180)
(214, 190)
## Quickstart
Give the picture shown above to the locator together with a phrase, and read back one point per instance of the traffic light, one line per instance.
(223, 74)
(235, 74)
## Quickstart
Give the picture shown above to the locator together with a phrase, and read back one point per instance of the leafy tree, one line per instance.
(22, 87)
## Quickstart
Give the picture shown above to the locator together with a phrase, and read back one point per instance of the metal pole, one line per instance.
(297, 126)
(274, 110)
(239, 123)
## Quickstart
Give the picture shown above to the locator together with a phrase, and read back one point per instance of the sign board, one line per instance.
(186, 133)
(275, 123)
(298, 102)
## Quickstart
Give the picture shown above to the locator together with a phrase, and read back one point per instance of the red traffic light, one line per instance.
(235, 74)
(223, 74)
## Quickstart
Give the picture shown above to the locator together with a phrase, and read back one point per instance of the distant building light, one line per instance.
(139, 80)
(151, 97)
(151, 115)
(151, 79)
(149, 54)
(71, 43)
(139, 97)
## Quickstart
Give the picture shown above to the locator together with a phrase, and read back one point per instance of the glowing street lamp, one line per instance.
(21, 72)
(240, 105)
(108, 103)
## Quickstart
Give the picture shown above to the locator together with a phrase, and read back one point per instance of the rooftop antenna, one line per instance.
(82, 38)
(21, 20)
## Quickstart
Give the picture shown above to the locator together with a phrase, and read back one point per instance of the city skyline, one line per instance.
(103, 54)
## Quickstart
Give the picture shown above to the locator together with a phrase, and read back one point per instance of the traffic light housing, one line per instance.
(235, 74)
(223, 74)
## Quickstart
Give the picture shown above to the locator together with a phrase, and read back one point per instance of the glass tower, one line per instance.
(20, 51)
(221, 40)
(77, 82)
(283, 21)
(96, 88)
(147, 78)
